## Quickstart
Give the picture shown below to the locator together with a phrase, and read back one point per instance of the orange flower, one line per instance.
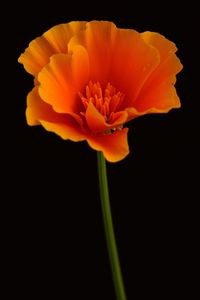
(91, 78)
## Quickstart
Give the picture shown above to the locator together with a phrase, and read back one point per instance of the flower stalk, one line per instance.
(109, 230)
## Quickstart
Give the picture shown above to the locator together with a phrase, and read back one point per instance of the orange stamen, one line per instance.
(106, 103)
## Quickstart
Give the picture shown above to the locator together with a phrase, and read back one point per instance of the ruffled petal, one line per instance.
(65, 131)
(158, 93)
(39, 112)
(164, 46)
(97, 123)
(62, 79)
(158, 98)
(60, 35)
(55, 40)
(114, 146)
(98, 38)
(132, 63)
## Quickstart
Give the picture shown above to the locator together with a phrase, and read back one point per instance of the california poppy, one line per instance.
(91, 78)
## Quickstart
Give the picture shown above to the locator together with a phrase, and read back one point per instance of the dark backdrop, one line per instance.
(55, 242)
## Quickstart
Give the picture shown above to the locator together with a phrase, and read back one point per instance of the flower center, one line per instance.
(106, 102)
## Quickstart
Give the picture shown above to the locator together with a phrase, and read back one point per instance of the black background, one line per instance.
(55, 241)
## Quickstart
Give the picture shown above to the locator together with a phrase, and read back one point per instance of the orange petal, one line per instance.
(65, 131)
(158, 93)
(55, 40)
(118, 118)
(132, 113)
(97, 123)
(132, 63)
(97, 38)
(62, 79)
(158, 98)
(59, 35)
(158, 41)
(169, 63)
(39, 112)
(114, 146)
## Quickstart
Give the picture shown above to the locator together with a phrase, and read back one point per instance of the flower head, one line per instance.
(91, 78)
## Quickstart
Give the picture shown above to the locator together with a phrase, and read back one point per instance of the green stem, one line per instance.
(109, 231)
